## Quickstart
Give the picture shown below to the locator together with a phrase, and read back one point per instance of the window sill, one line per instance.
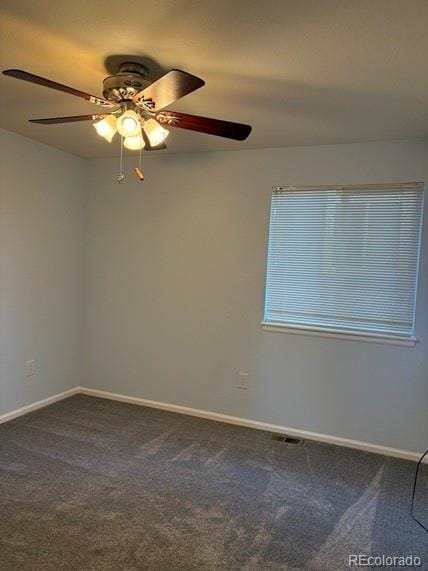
(338, 334)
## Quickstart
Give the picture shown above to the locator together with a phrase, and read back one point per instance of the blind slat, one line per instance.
(344, 259)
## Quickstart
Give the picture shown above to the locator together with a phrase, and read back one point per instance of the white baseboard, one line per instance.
(305, 434)
(39, 404)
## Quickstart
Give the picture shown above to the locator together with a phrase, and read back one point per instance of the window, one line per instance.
(344, 260)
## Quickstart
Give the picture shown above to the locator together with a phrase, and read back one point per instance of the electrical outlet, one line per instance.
(30, 368)
(242, 380)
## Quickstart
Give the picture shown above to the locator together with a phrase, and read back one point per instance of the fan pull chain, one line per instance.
(139, 170)
(121, 175)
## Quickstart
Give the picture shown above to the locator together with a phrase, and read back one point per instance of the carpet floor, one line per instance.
(91, 484)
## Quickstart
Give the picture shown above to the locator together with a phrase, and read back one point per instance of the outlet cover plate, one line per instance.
(30, 368)
(242, 380)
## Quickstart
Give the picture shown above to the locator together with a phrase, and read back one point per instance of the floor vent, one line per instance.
(291, 440)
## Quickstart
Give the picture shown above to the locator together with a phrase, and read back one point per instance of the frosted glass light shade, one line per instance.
(134, 143)
(106, 128)
(155, 132)
(128, 124)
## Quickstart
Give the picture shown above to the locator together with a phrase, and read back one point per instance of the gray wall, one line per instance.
(174, 280)
(41, 258)
(175, 271)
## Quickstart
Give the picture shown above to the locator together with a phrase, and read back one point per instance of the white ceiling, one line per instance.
(302, 72)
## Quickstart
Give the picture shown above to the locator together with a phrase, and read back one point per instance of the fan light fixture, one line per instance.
(128, 124)
(106, 128)
(155, 133)
(135, 136)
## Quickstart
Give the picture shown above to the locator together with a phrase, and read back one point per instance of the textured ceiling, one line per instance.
(303, 72)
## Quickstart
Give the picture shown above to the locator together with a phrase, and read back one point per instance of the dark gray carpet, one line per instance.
(91, 484)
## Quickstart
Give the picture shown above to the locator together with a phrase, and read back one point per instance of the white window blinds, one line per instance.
(345, 259)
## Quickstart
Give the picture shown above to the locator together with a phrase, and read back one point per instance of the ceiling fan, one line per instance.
(135, 108)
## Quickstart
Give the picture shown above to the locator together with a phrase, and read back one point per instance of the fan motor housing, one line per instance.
(122, 86)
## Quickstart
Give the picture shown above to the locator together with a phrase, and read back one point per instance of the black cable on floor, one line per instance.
(412, 510)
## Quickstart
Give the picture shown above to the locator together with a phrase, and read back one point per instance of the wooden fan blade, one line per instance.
(55, 120)
(167, 89)
(227, 129)
(26, 76)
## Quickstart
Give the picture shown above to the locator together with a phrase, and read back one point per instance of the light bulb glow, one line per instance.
(155, 132)
(128, 124)
(134, 143)
(106, 128)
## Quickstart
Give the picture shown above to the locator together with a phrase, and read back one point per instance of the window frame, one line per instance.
(348, 334)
